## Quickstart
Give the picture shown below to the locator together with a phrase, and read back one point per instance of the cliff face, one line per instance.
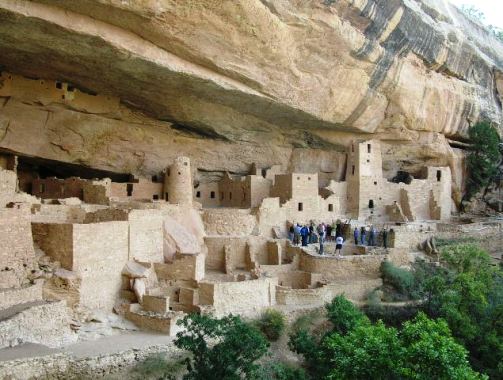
(230, 82)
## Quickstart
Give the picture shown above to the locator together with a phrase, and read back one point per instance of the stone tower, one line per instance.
(178, 182)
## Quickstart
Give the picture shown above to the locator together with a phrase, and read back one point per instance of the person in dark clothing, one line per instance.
(363, 233)
(329, 231)
(304, 233)
(356, 234)
(385, 237)
(310, 239)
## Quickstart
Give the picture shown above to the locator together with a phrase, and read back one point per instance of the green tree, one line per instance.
(224, 349)
(484, 158)
(430, 352)
(272, 324)
(473, 12)
(344, 316)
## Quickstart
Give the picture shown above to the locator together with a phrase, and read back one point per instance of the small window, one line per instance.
(129, 189)
(198, 194)
(298, 178)
(368, 160)
(371, 203)
(309, 178)
(375, 183)
(154, 178)
(330, 207)
(352, 148)
(70, 88)
(439, 175)
(212, 195)
(186, 163)
(59, 85)
(353, 170)
(155, 197)
(63, 96)
(230, 196)
(179, 173)
(169, 172)
(301, 206)
(166, 196)
(369, 148)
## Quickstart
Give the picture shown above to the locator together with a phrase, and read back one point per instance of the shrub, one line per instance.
(280, 371)
(344, 315)
(225, 348)
(155, 367)
(272, 324)
(401, 279)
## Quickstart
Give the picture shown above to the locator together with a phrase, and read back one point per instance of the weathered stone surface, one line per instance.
(251, 80)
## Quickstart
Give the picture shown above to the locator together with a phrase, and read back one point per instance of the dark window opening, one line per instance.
(154, 178)
(301, 207)
(368, 160)
(368, 148)
(230, 195)
(59, 85)
(166, 196)
(212, 195)
(353, 170)
(375, 182)
(439, 175)
(330, 207)
(70, 88)
(371, 203)
(169, 172)
(62, 96)
(309, 178)
(179, 173)
(198, 194)
(352, 148)
(185, 163)
(129, 189)
(155, 197)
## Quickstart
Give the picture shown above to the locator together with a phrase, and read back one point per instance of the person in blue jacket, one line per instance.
(304, 232)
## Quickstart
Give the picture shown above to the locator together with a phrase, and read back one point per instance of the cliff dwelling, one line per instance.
(160, 160)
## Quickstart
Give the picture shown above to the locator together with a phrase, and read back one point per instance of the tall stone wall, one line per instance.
(17, 254)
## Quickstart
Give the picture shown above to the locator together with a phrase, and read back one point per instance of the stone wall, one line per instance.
(350, 268)
(243, 297)
(17, 254)
(183, 267)
(55, 188)
(230, 222)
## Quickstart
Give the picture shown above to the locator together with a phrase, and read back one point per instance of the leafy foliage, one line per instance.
(280, 371)
(272, 324)
(155, 367)
(483, 160)
(225, 348)
(421, 349)
(401, 279)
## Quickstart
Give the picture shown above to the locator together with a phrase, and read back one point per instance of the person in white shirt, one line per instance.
(339, 241)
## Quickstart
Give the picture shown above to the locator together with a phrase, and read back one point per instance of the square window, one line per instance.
(212, 195)
(301, 207)
(330, 207)
(155, 197)
(198, 194)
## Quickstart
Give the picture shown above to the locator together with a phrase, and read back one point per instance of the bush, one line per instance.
(280, 371)
(155, 367)
(401, 279)
(344, 315)
(225, 348)
(272, 324)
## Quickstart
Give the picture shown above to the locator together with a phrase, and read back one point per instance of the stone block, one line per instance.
(157, 304)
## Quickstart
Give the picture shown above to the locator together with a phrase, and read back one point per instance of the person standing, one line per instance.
(356, 234)
(339, 241)
(363, 235)
(296, 236)
(385, 237)
(321, 252)
(291, 231)
(372, 236)
(304, 233)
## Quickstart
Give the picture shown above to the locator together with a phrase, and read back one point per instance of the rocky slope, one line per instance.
(230, 82)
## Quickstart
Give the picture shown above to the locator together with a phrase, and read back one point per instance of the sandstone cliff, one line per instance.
(230, 82)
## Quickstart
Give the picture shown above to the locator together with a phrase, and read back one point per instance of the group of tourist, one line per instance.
(369, 236)
(309, 234)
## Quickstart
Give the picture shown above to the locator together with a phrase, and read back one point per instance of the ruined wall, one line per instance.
(183, 267)
(233, 222)
(17, 254)
(58, 188)
(243, 297)
(207, 194)
(144, 189)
